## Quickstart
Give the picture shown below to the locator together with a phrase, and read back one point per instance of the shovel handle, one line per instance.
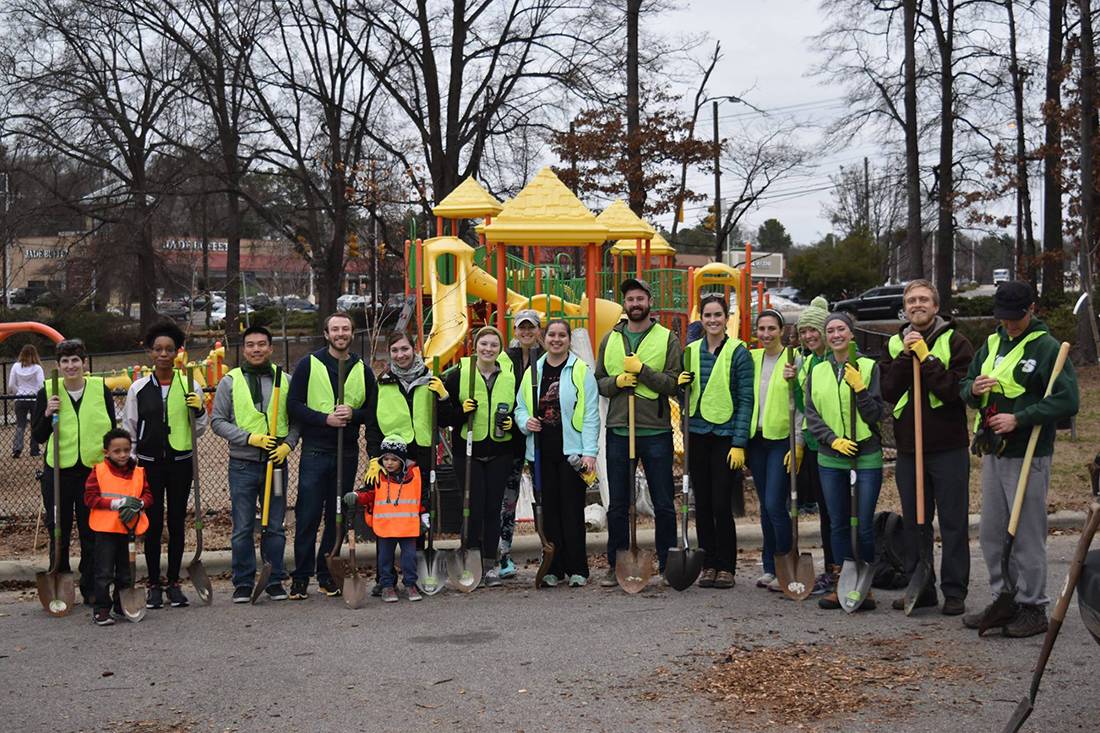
(918, 438)
(272, 427)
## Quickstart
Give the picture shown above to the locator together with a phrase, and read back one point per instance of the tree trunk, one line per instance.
(1088, 170)
(146, 256)
(634, 182)
(914, 242)
(232, 264)
(1053, 264)
(1025, 233)
(945, 232)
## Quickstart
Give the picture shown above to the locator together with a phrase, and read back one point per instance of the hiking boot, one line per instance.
(550, 580)
(706, 579)
(953, 606)
(822, 584)
(154, 597)
(507, 568)
(176, 596)
(299, 589)
(412, 593)
(927, 599)
(389, 594)
(242, 594)
(869, 603)
(1030, 620)
(764, 580)
(276, 592)
(577, 581)
(829, 601)
(974, 620)
(329, 588)
(102, 617)
(491, 579)
(609, 580)
(724, 579)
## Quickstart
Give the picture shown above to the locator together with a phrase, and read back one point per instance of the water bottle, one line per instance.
(498, 420)
(590, 477)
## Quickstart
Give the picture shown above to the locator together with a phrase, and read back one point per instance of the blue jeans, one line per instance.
(246, 491)
(317, 493)
(655, 453)
(836, 487)
(765, 459)
(387, 546)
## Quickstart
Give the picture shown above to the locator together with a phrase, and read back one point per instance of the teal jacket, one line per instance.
(583, 443)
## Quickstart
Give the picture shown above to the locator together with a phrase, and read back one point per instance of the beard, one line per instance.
(637, 313)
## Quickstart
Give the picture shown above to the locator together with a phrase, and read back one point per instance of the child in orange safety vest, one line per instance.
(117, 495)
(395, 506)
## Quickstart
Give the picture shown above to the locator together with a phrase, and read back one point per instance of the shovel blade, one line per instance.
(633, 569)
(1002, 611)
(785, 565)
(1019, 715)
(201, 581)
(801, 582)
(917, 584)
(683, 566)
(337, 567)
(261, 582)
(854, 584)
(428, 578)
(133, 604)
(356, 590)
(464, 570)
(56, 592)
(544, 563)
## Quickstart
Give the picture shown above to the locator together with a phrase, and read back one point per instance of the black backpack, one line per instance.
(889, 552)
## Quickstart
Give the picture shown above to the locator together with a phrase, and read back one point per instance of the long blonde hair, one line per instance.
(28, 355)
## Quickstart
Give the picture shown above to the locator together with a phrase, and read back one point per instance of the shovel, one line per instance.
(264, 575)
(336, 565)
(431, 565)
(1023, 710)
(536, 478)
(132, 599)
(856, 574)
(633, 566)
(684, 564)
(795, 570)
(1004, 607)
(464, 564)
(195, 570)
(355, 585)
(921, 575)
(55, 590)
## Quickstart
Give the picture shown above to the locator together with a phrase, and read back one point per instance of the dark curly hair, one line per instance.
(164, 328)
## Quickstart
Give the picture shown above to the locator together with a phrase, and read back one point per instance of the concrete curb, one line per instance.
(525, 546)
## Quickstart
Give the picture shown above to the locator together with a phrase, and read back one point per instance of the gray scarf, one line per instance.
(415, 375)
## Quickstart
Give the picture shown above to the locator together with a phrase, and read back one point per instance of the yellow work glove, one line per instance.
(261, 441)
(920, 349)
(469, 406)
(626, 379)
(374, 468)
(506, 424)
(845, 447)
(193, 400)
(736, 458)
(799, 451)
(632, 363)
(435, 384)
(279, 453)
(854, 378)
(685, 378)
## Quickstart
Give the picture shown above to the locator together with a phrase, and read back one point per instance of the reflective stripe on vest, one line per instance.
(319, 395)
(246, 415)
(81, 432)
(394, 417)
(652, 351)
(504, 392)
(717, 407)
(397, 506)
(112, 486)
(579, 370)
(1003, 369)
(775, 424)
(941, 350)
(833, 399)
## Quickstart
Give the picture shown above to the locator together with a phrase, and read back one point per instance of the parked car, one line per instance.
(349, 301)
(294, 303)
(789, 293)
(217, 315)
(884, 302)
(1000, 275)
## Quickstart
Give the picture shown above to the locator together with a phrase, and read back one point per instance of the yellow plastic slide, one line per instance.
(717, 273)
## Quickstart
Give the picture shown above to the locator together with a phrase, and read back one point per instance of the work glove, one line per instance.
(736, 458)
(426, 521)
(193, 400)
(799, 451)
(506, 423)
(279, 453)
(685, 378)
(626, 379)
(845, 447)
(261, 441)
(435, 384)
(469, 406)
(374, 469)
(854, 378)
(632, 363)
(351, 500)
(130, 509)
(920, 348)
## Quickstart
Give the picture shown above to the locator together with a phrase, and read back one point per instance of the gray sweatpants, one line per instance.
(1028, 564)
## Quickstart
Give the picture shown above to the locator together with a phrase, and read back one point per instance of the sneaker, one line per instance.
(724, 579)
(808, 508)
(822, 585)
(829, 601)
(276, 592)
(492, 578)
(974, 620)
(299, 589)
(389, 594)
(764, 580)
(412, 593)
(507, 568)
(577, 581)
(774, 586)
(953, 606)
(1030, 620)
(176, 596)
(869, 603)
(102, 617)
(927, 599)
(242, 594)
(329, 588)
(376, 590)
(609, 580)
(154, 597)
(116, 609)
(550, 580)
(706, 580)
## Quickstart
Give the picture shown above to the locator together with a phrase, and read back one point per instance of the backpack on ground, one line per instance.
(889, 552)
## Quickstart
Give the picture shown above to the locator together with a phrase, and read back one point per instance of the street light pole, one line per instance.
(717, 181)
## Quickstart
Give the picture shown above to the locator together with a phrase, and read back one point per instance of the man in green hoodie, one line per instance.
(1007, 380)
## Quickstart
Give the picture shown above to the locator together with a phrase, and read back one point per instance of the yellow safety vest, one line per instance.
(504, 392)
(395, 418)
(1003, 370)
(245, 413)
(941, 350)
(81, 432)
(833, 399)
(652, 351)
(319, 395)
(775, 424)
(579, 370)
(717, 406)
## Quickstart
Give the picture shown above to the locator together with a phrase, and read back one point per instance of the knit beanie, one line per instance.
(395, 447)
(838, 316)
(814, 315)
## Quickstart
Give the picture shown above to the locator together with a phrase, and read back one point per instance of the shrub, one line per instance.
(980, 306)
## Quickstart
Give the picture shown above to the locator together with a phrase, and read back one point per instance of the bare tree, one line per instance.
(875, 201)
(1025, 234)
(1053, 265)
(914, 242)
(1089, 213)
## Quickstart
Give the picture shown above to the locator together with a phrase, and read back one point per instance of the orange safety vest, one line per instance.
(112, 486)
(397, 506)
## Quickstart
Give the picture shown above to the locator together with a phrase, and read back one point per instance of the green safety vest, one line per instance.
(395, 419)
(177, 413)
(1003, 370)
(651, 351)
(833, 399)
(941, 350)
(245, 413)
(319, 394)
(579, 370)
(504, 392)
(717, 407)
(776, 423)
(81, 432)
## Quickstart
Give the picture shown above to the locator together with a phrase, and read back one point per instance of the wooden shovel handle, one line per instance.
(918, 437)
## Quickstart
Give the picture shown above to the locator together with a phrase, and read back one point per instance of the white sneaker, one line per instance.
(765, 580)
(774, 586)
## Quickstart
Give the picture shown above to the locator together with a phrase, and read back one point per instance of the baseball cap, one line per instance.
(1012, 299)
(527, 315)
(633, 283)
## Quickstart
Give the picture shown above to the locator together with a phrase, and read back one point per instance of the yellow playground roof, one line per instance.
(658, 246)
(622, 223)
(547, 213)
(468, 200)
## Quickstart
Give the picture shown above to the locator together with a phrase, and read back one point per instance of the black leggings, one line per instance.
(563, 495)
(169, 480)
(487, 479)
(72, 502)
(715, 485)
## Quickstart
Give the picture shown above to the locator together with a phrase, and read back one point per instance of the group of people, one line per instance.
(538, 401)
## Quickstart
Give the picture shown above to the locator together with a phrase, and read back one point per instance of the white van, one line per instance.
(1000, 275)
